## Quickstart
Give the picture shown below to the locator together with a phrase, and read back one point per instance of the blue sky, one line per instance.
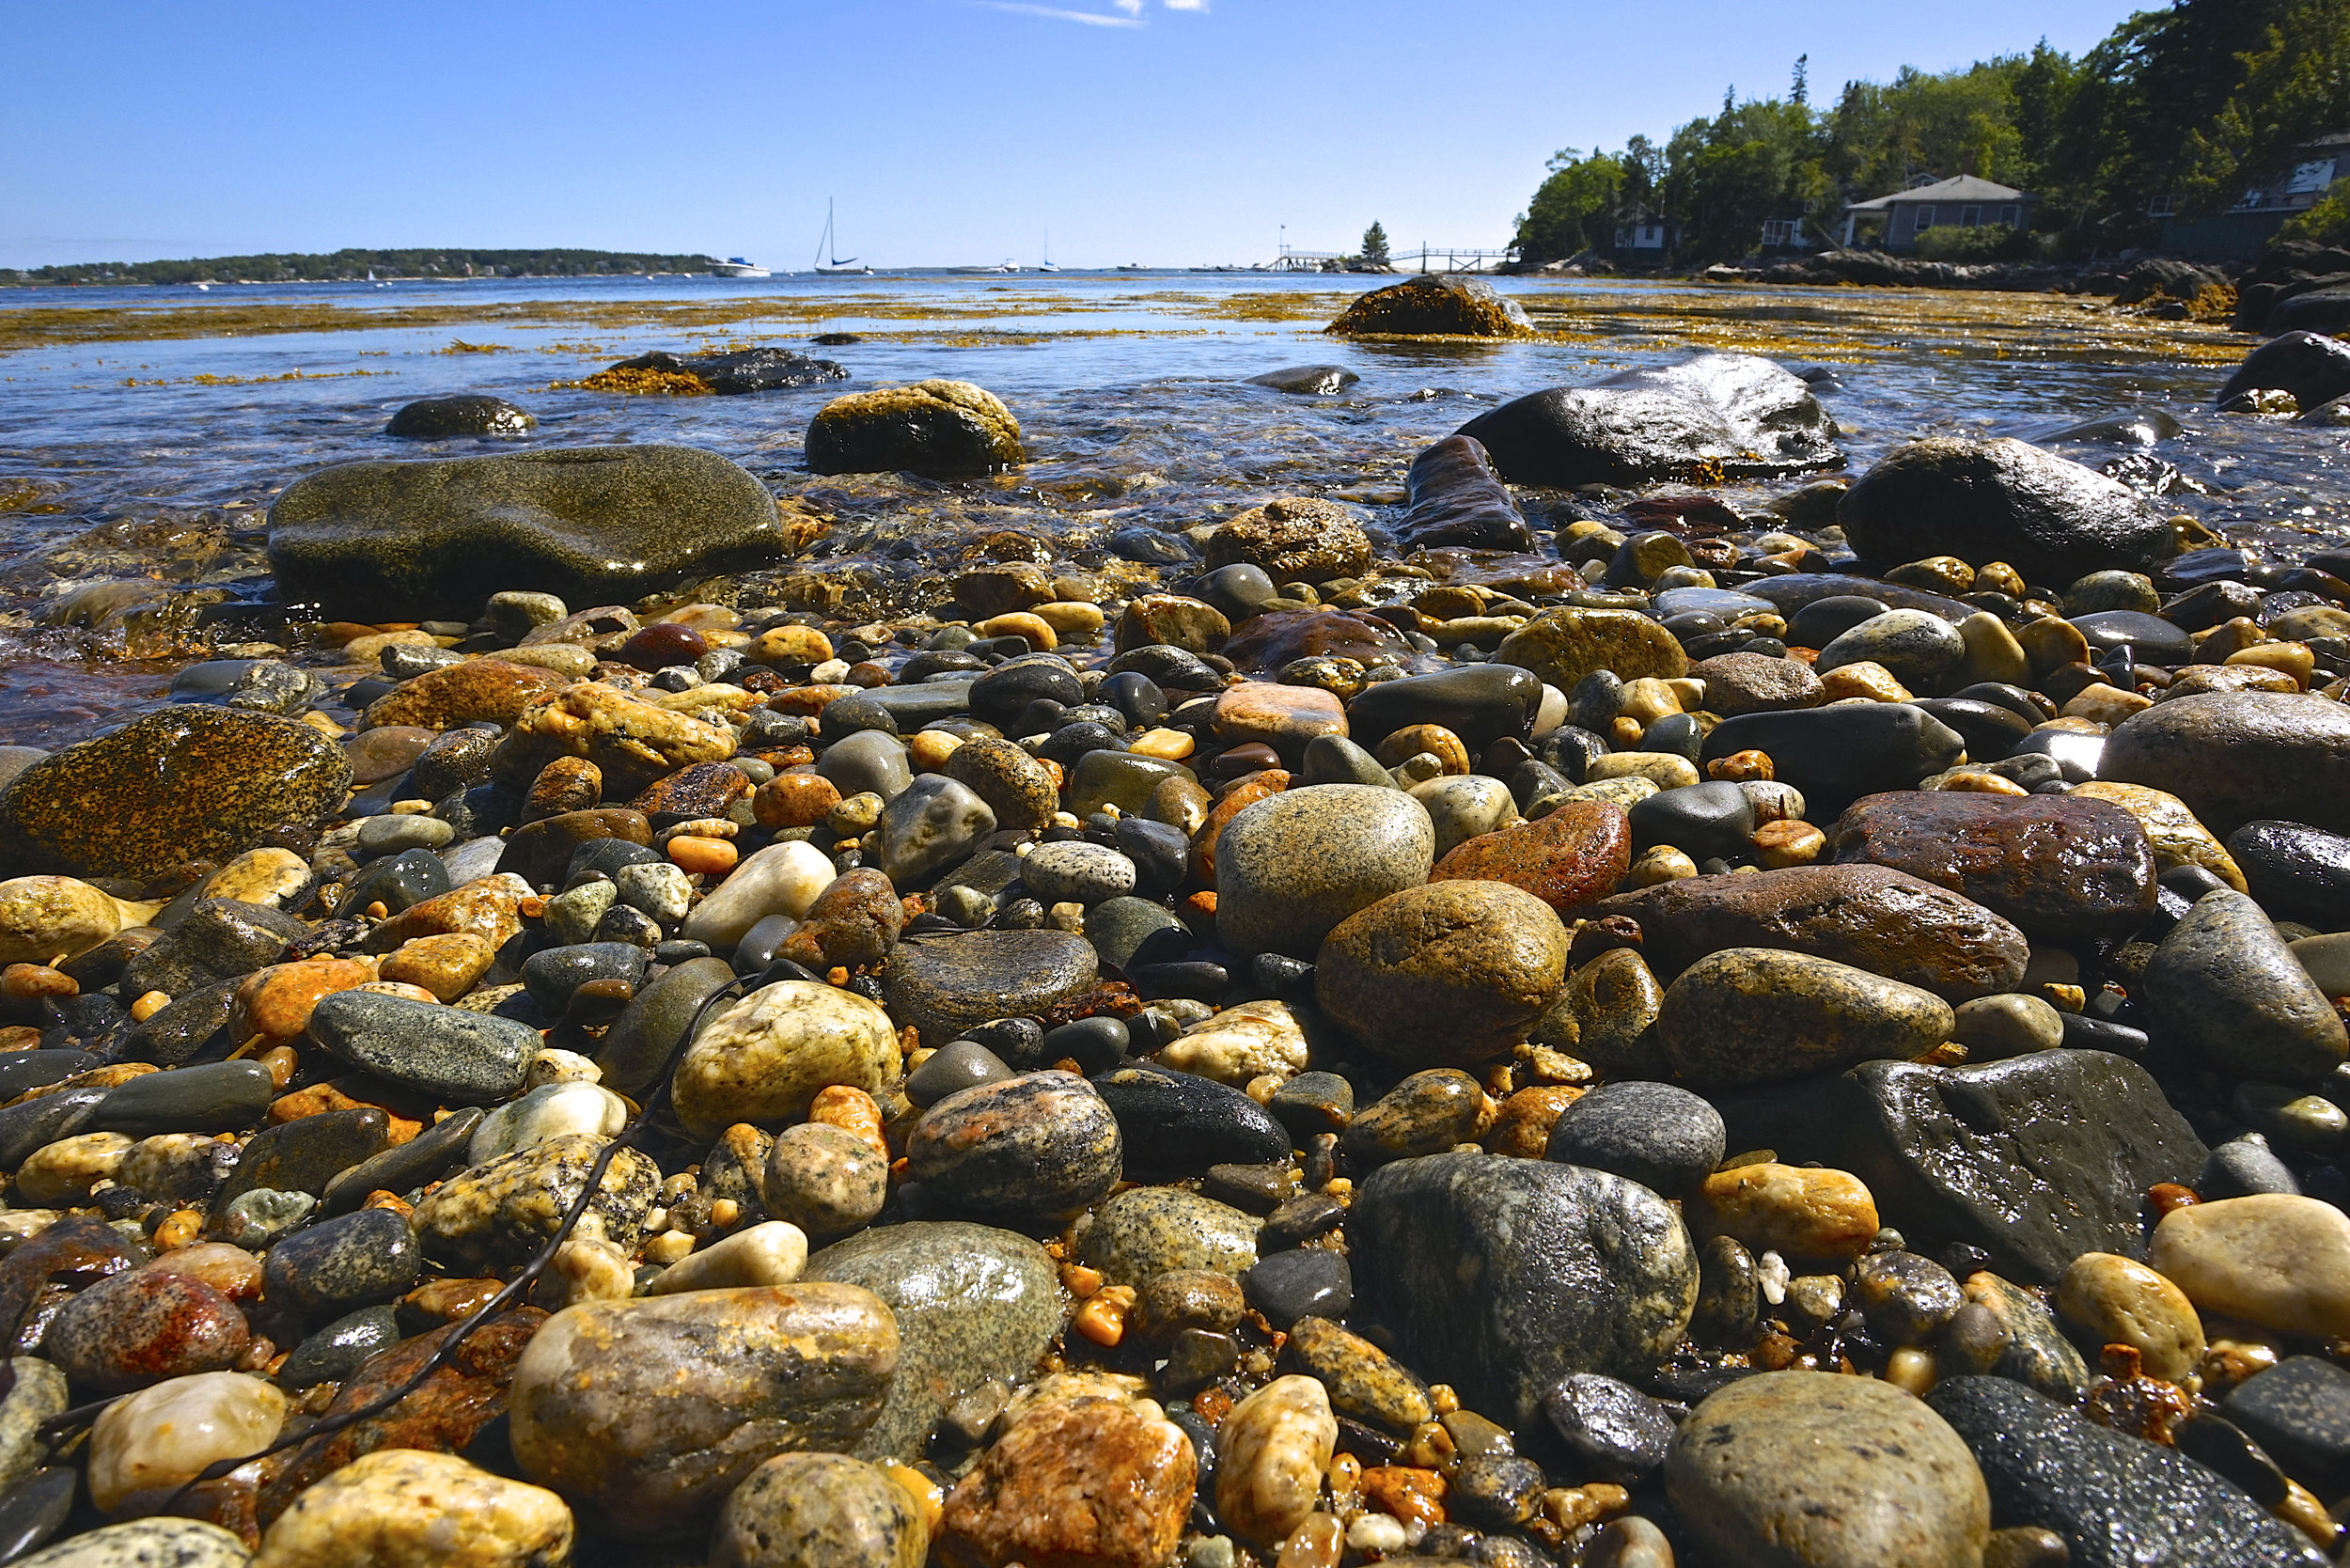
(1167, 131)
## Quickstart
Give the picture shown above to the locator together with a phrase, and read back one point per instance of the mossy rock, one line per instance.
(379, 542)
(1294, 538)
(1433, 308)
(187, 783)
(1563, 646)
(940, 429)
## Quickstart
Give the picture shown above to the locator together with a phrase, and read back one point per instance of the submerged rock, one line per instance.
(763, 370)
(1457, 498)
(1711, 414)
(593, 525)
(470, 413)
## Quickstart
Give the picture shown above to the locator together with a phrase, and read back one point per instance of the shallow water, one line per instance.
(143, 431)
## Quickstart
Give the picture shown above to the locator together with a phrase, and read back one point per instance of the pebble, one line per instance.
(399, 1507)
(1501, 1276)
(771, 1253)
(1837, 1472)
(550, 1111)
(1077, 873)
(781, 879)
(1272, 1451)
(2117, 1300)
(2059, 868)
(1664, 1137)
(1310, 1282)
(658, 1435)
(37, 1392)
(2224, 984)
(1089, 1482)
(164, 1434)
(825, 1180)
(444, 1052)
(332, 1354)
(1242, 1042)
(2239, 757)
(356, 1260)
(1041, 1146)
(1613, 1429)
(147, 1543)
(1291, 868)
(1427, 1113)
(945, 985)
(1146, 1231)
(1750, 1016)
(500, 1213)
(764, 1057)
(2277, 1260)
(1447, 974)
(130, 1330)
(1568, 858)
(1177, 1124)
(1799, 1212)
(813, 1509)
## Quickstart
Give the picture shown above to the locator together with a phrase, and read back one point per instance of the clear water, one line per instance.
(132, 450)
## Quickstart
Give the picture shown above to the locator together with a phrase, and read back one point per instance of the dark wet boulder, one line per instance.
(2314, 368)
(2035, 1159)
(439, 418)
(2064, 870)
(2117, 1500)
(2312, 310)
(2240, 757)
(940, 429)
(1433, 308)
(186, 782)
(1457, 498)
(2053, 519)
(1710, 416)
(1310, 380)
(744, 370)
(1834, 754)
(592, 524)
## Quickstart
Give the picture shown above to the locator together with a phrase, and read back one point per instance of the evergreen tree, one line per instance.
(1375, 244)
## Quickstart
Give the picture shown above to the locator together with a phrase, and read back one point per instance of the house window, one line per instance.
(1970, 218)
(2163, 206)
(2007, 216)
(1925, 217)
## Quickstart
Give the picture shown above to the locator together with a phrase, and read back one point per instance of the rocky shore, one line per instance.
(1555, 1022)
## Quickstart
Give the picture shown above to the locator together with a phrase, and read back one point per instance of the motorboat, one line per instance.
(735, 266)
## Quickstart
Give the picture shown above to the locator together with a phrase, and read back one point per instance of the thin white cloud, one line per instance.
(1187, 5)
(1090, 18)
(1132, 8)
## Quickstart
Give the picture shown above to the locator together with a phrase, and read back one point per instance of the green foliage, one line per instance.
(1991, 241)
(1375, 242)
(2326, 224)
(2195, 101)
(351, 265)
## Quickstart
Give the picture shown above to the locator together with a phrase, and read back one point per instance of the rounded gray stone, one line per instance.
(1289, 869)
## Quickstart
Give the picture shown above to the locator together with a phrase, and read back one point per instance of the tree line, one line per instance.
(353, 265)
(2178, 109)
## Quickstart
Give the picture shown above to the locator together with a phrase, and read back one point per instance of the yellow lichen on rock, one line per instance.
(939, 428)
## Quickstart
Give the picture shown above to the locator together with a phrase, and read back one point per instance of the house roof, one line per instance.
(1959, 187)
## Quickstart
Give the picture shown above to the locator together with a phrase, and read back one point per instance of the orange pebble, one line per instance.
(702, 856)
(281, 1062)
(2164, 1197)
(181, 1229)
(1405, 1493)
(1103, 1318)
(852, 1109)
(150, 1004)
(794, 800)
(26, 982)
(1740, 767)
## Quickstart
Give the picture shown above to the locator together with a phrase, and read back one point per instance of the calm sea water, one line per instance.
(130, 452)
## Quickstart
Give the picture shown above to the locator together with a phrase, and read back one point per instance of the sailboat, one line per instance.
(1048, 266)
(826, 260)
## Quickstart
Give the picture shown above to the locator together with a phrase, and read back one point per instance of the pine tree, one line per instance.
(1375, 244)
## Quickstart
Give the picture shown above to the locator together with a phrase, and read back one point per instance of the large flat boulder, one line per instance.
(378, 541)
(2054, 520)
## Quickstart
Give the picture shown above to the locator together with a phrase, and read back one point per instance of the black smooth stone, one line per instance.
(1611, 1428)
(1019, 1043)
(183, 1028)
(1160, 852)
(846, 716)
(1291, 980)
(1990, 729)
(1004, 692)
(217, 1097)
(551, 977)
(1136, 695)
(2297, 871)
(2201, 608)
(25, 1070)
(1095, 1045)
(2195, 567)
(2299, 1411)
(1198, 979)
(1481, 703)
(336, 1351)
(1314, 1102)
(938, 661)
(917, 705)
(1150, 546)
(1070, 741)
(1311, 1283)
(1496, 1492)
(1675, 734)
(2078, 755)
(35, 1508)
(2150, 637)
(1835, 755)
(1571, 750)
(431, 1155)
(1823, 620)
(397, 881)
(2242, 1166)
(1172, 668)
(2219, 1443)
(2015, 699)
(957, 1065)
(1298, 1220)
(1711, 819)
(1195, 1359)
(1178, 1124)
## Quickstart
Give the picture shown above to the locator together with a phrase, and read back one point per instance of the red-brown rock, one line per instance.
(697, 790)
(461, 694)
(132, 1329)
(1573, 856)
(1093, 1484)
(1266, 642)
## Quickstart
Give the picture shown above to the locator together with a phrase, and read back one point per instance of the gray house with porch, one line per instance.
(1961, 202)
